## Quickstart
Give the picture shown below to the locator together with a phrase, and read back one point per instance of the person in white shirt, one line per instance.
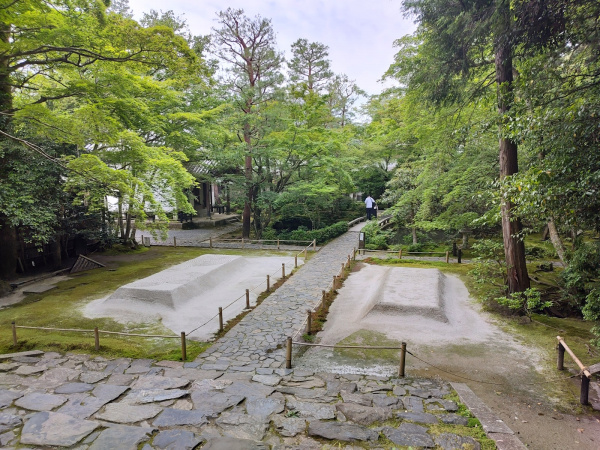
(369, 202)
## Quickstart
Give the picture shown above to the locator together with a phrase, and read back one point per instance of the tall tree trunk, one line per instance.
(248, 174)
(8, 233)
(8, 249)
(127, 236)
(56, 253)
(556, 241)
(414, 235)
(120, 221)
(514, 247)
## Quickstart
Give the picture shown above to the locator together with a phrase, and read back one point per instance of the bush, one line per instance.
(539, 252)
(416, 247)
(375, 239)
(526, 302)
(321, 235)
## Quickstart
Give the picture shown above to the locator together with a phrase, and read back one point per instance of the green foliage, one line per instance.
(526, 302)
(581, 278)
(416, 247)
(489, 267)
(375, 238)
(371, 180)
(322, 235)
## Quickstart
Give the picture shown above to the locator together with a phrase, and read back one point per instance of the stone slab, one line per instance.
(122, 437)
(52, 428)
(175, 440)
(123, 413)
(40, 402)
(178, 417)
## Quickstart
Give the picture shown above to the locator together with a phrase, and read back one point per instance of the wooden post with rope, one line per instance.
(183, 347)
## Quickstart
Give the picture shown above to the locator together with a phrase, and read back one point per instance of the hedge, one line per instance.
(322, 235)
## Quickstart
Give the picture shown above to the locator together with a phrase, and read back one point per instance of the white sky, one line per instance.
(359, 33)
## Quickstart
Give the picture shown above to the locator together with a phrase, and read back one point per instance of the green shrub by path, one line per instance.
(321, 235)
(61, 308)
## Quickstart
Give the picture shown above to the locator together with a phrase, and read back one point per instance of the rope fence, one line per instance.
(217, 242)
(400, 253)
(97, 333)
(402, 361)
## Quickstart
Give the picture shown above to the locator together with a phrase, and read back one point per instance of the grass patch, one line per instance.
(61, 308)
(369, 339)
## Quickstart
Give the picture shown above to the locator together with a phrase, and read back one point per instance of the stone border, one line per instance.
(494, 427)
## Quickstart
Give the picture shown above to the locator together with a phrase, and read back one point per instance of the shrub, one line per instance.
(539, 252)
(416, 247)
(375, 238)
(526, 302)
(321, 235)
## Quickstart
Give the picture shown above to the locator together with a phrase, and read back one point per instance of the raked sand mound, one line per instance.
(189, 294)
(427, 309)
(177, 285)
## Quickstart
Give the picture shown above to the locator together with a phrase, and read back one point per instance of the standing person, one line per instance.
(369, 202)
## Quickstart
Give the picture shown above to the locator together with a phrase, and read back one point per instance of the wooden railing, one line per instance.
(586, 372)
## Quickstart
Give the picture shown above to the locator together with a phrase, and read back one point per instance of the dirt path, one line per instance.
(451, 338)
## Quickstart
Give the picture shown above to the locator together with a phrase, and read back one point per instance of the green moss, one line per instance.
(476, 432)
(369, 338)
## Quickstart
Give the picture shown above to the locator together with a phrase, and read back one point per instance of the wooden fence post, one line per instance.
(288, 353)
(174, 241)
(354, 254)
(220, 319)
(210, 242)
(305, 253)
(14, 332)
(400, 254)
(459, 255)
(268, 283)
(348, 262)
(342, 272)
(402, 360)
(314, 243)
(296, 262)
(560, 353)
(96, 339)
(447, 257)
(585, 389)
(277, 243)
(309, 322)
(334, 284)
(283, 270)
(247, 298)
(183, 347)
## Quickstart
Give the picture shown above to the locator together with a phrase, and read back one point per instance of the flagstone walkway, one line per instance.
(84, 402)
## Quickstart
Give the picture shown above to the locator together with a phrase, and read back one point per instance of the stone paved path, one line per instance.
(85, 402)
(256, 342)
